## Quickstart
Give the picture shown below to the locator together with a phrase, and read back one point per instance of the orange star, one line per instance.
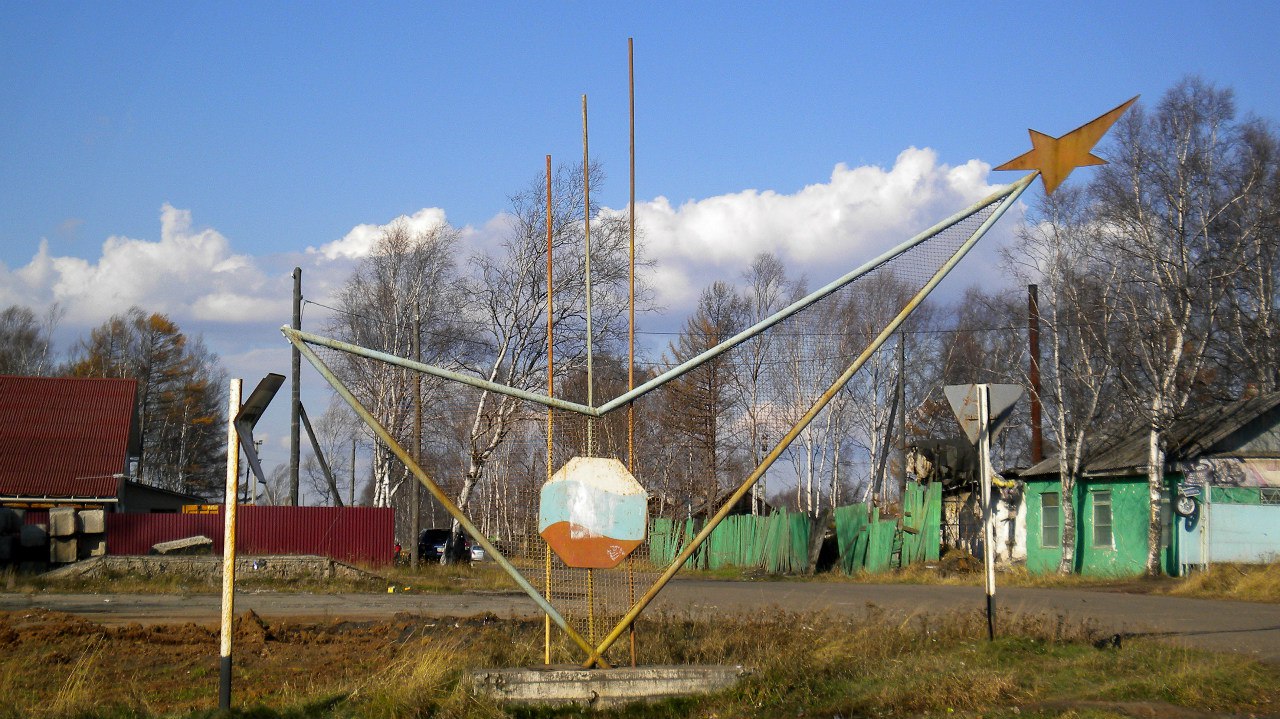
(1055, 157)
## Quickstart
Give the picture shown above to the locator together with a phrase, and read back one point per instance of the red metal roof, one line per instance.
(64, 436)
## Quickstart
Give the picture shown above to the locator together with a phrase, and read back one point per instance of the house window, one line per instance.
(1050, 519)
(1102, 519)
(1269, 495)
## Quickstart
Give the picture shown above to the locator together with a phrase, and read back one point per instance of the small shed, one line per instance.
(1226, 455)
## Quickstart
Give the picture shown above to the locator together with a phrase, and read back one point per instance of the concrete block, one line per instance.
(62, 522)
(6, 549)
(34, 535)
(198, 544)
(62, 550)
(93, 521)
(553, 685)
(92, 545)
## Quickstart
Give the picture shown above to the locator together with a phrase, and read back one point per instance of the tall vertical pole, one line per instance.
(631, 310)
(229, 546)
(551, 390)
(902, 415)
(296, 391)
(586, 216)
(415, 497)
(988, 527)
(1033, 339)
(591, 422)
(351, 498)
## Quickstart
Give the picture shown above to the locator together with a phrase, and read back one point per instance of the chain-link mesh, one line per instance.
(694, 439)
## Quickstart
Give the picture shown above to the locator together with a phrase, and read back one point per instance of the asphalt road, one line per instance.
(1245, 627)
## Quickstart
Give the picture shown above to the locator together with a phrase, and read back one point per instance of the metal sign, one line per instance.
(593, 513)
(964, 402)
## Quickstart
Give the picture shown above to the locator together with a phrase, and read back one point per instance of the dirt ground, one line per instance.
(165, 668)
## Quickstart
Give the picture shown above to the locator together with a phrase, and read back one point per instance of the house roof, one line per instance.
(64, 436)
(1188, 438)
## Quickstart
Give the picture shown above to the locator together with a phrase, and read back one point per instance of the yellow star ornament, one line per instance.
(1055, 157)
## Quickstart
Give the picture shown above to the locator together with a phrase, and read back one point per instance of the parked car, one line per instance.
(434, 543)
(431, 544)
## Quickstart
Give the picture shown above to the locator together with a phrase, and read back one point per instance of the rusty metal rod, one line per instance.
(551, 391)
(586, 218)
(822, 401)
(631, 311)
(444, 499)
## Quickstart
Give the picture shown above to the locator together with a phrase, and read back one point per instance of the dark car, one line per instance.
(433, 544)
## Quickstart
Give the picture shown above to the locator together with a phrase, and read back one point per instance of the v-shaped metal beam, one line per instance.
(595, 655)
(1004, 194)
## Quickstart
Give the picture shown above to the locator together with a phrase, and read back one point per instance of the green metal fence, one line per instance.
(777, 543)
(869, 543)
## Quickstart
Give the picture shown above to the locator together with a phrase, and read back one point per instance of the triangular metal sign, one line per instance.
(1000, 401)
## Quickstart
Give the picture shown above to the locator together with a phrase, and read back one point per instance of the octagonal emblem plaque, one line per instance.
(593, 513)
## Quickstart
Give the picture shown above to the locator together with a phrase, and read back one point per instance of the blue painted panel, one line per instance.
(1244, 533)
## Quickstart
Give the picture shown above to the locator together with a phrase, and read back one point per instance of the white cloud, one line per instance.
(194, 275)
(357, 243)
(823, 229)
(188, 273)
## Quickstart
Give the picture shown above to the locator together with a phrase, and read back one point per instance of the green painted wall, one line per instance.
(1040, 559)
(1126, 555)
(1237, 495)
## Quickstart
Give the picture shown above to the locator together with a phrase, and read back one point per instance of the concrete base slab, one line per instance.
(198, 544)
(558, 685)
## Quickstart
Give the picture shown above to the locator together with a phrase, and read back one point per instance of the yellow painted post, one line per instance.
(229, 546)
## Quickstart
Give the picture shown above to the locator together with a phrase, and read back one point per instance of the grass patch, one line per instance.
(430, 578)
(1244, 582)
(1249, 582)
(801, 665)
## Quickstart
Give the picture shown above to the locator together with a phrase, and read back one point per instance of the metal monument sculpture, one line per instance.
(593, 512)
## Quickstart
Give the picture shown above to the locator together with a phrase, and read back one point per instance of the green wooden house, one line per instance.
(1228, 453)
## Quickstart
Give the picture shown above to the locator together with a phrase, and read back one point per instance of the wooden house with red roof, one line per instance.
(72, 441)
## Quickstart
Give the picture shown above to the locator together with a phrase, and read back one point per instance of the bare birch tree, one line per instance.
(1175, 175)
(504, 297)
(1077, 303)
(406, 272)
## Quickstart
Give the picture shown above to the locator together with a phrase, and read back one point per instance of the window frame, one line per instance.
(1102, 498)
(1057, 517)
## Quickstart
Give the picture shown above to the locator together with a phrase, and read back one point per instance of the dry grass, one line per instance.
(1249, 582)
(802, 665)
(430, 578)
(424, 680)
(80, 692)
(1244, 582)
(438, 578)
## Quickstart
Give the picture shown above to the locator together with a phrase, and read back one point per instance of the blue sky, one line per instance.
(185, 156)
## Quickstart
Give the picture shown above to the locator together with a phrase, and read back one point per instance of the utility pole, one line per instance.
(1033, 338)
(296, 399)
(415, 518)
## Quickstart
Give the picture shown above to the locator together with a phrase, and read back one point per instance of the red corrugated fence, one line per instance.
(364, 535)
